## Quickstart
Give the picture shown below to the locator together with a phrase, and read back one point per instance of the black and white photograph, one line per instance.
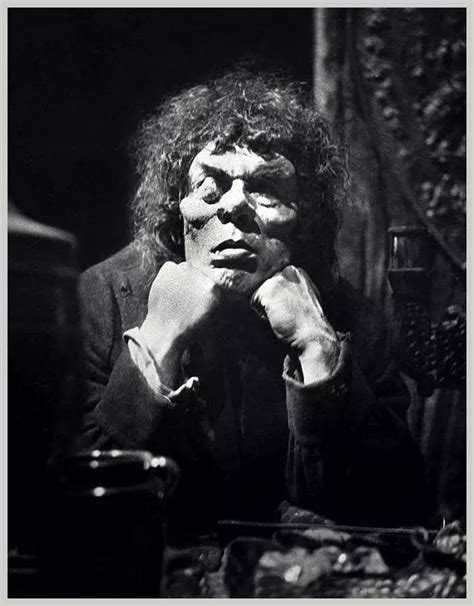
(236, 301)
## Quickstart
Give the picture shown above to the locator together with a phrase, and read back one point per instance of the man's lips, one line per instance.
(227, 245)
(236, 254)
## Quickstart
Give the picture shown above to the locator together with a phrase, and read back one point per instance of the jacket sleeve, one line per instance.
(120, 410)
(351, 455)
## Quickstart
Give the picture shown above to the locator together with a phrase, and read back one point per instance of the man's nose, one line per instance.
(234, 205)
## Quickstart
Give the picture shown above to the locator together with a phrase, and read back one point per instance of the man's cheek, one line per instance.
(198, 242)
(279, 225)
(196, 215)
(277, 256)
(196, 221)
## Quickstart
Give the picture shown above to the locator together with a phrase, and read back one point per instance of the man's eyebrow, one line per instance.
(271, 170)
(212, 171)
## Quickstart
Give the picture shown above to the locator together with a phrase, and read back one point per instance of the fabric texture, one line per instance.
(250, 434)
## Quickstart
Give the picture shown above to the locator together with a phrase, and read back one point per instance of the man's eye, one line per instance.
(209, 190)
(258, 187)
(262, 189)
(264, 199)
(263, 193)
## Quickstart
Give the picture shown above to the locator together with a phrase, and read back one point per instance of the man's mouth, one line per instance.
(235, 254)
(231, 244)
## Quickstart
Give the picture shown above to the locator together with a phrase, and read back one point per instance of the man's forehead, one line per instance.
(240, 162)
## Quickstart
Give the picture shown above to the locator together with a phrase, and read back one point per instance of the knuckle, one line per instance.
(168, 266)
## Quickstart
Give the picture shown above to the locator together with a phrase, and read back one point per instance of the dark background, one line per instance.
(80, 81)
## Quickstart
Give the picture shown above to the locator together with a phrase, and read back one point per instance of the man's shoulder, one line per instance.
(127, 270)
(114, 292)
(128, 258)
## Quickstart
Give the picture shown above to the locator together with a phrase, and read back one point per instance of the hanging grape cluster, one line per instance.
(451, 348)
(417, 346)
(433, 354)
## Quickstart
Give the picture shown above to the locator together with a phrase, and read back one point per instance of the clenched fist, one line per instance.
(181, 303)
(289, 301)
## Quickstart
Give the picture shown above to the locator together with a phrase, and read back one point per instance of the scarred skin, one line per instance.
(239, 219)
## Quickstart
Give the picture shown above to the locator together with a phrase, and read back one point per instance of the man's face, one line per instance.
(239, 217)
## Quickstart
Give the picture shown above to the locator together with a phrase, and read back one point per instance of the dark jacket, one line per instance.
(341, 448)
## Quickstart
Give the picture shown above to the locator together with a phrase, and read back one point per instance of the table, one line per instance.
(319, 562)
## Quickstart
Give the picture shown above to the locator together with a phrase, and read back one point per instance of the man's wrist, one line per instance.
(318, 362)
(166, 349)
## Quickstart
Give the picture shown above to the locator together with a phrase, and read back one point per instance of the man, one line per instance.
(222, 337)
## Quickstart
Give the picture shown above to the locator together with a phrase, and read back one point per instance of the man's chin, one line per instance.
(236, 283)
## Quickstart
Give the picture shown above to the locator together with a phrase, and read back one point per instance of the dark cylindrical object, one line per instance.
(106, 526)
(44, 356)
(409, 272)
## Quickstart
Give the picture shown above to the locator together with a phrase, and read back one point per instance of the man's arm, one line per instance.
(351, 455)
(121, 409)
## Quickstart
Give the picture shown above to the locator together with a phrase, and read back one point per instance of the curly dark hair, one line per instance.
(268, 113)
